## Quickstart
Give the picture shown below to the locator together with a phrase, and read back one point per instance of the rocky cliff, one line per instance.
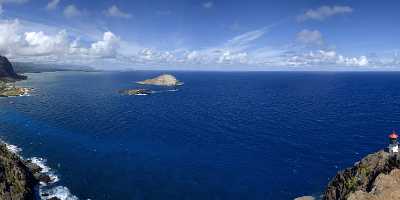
(17, 182)
(375, 177)
(7, 71)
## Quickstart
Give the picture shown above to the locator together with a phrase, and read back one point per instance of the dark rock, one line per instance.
(44, 178)
(34, 167)
(7, 71)
(16, 180)
(45, 194)
(54, 198)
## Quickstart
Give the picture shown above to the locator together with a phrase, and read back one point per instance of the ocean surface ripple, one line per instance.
(236, 135)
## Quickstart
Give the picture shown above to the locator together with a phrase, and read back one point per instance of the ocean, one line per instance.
(221, 136)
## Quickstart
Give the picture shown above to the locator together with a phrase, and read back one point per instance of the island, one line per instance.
(162, 80)
(8, 77)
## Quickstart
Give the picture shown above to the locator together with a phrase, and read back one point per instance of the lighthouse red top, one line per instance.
(393, 135)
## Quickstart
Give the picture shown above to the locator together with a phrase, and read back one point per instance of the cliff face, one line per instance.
(7, 70)
(368, 179)
(16, 180)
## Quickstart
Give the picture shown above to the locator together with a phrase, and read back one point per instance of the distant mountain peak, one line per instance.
(7, 71)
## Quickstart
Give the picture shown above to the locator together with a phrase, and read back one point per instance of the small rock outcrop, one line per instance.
(7, 71)
(375, 177)
(163, 80)
(17, 182)
(136, 92)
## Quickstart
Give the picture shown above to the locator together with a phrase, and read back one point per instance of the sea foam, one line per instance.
(12, 148)
(41, 162)
(60, 192)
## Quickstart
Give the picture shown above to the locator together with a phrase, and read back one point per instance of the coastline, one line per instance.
(39, 180)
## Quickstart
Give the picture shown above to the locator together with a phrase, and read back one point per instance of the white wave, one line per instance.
(141, 94)
(41, 162)
(13, 148)
(60, 192)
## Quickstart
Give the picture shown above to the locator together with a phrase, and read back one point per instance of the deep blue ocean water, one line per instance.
(222, 136)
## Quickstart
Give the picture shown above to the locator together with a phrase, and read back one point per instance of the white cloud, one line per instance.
(72, 11)
(361, 61)
(114, 11)
(52, 5)
(322, 58)
(208, 4)
(310, 37)
(107, 47)
(38, 43)
(324, 12)
(243, 40)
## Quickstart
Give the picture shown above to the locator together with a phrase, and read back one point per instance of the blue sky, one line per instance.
(203, 34)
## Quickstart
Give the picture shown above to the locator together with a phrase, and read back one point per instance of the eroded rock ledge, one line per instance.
(375, 177)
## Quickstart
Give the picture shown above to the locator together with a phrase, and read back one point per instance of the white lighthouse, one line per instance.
(393, 145)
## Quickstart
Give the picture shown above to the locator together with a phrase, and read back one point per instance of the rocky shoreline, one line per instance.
(15, 91)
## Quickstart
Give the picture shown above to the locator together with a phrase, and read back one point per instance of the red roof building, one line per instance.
(393, 135)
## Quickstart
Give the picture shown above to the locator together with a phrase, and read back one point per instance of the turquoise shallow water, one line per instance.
(223, 135)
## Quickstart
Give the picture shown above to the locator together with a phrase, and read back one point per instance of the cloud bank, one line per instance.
(240, 50)
(29, 41)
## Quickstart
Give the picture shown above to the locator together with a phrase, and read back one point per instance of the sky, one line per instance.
(203, 34)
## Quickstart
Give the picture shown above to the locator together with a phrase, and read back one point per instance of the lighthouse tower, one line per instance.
(393, 145)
